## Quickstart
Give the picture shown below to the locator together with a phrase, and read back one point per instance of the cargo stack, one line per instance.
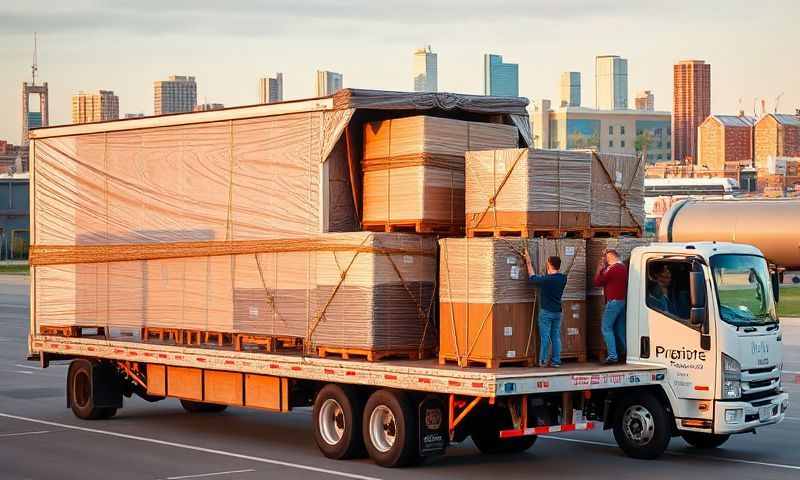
(413, 171)
(242, 228)
(550, 203)
(488, 306)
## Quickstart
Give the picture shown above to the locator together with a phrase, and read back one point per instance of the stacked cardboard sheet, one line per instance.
(486, 301)
(370, 291)
(414, 168)
(595, 248)
(617, 191)
(524, 189)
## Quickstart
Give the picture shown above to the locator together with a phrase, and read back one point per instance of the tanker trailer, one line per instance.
(773, 226)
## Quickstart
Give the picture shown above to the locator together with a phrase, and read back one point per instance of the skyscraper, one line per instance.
(270, 89)
(425, 70)
(178, 94)
(328, 83)
(95, 106)
(500, 79)
(611, 82)
(571, 89)
(645, 101)
(691, 105)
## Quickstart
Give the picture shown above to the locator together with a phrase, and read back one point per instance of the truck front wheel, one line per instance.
(704, 440)
(642, 426)
(337, 422)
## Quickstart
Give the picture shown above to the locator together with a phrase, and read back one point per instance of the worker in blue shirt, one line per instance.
(551, 288)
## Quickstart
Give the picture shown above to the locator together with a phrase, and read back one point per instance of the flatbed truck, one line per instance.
(705, 375)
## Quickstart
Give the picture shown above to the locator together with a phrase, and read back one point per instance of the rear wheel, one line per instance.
(390, 429)
(704, 440)
(337, 422)
(200, 407)
(84, 391)
(642, 427)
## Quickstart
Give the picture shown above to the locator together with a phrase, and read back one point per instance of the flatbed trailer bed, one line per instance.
(416, 375)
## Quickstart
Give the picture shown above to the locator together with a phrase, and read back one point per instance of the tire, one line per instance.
(704, 440)
(642, 426)
(390, 429)
(337, 422)
(81, 392)
(486, 434)
(200, 407)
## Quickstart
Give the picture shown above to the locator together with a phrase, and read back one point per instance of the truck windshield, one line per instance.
(744, 289)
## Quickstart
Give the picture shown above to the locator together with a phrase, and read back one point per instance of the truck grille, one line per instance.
(760, 383)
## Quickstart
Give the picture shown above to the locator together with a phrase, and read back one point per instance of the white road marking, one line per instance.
(192, 447)
(680, 454)
(26, 372)
(19, 434)
(199, 475)
(27, 366)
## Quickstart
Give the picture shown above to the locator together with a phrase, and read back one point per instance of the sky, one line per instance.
(125, 45)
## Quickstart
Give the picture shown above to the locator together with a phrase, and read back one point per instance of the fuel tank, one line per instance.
(773, 226)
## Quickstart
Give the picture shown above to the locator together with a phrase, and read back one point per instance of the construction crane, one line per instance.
(35, 64)
(777, 101)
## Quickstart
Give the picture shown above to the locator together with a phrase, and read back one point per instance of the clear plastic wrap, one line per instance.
(414, 167)
(358, 290)
(514, 188)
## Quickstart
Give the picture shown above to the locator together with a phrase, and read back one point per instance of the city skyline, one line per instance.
(72, 49)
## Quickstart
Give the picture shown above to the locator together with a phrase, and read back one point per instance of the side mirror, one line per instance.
(776, 286)
(697, 290)
(697, 315)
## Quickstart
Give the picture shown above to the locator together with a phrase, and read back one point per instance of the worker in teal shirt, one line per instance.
(551, 288)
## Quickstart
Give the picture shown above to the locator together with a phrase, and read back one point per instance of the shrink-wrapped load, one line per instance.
(487, 303)
(617, 191)
(526, 190)
(414, 169)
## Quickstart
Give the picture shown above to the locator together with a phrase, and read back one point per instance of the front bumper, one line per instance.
(738, 417)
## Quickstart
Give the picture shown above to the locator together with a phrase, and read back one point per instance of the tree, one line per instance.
(643, 141)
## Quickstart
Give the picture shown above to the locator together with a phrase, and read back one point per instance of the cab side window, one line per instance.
(668, 288)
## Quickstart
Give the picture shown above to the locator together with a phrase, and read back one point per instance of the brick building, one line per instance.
(691, 106)
(725, 143)
(776, 135)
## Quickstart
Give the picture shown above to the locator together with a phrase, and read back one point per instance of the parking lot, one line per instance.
(40, 439)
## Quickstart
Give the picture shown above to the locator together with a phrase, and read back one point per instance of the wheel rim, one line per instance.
(81, 389)
(638, 424)
(382, 428)
(331, 421)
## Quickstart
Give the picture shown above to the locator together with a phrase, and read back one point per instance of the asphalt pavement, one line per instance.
(40, 438)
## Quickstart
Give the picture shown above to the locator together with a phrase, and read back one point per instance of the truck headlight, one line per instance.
(731, 378)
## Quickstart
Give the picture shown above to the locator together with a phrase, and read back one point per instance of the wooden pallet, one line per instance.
(612, 232)
(414, 226)
(70, 331)
(527, 232)
(487, 363)
(580, 357)
(174, 334)
(267, 343)
(371, 355)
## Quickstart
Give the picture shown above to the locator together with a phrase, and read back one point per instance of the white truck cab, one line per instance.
(705, 311)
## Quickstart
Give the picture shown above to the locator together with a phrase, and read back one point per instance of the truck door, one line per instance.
(674, 341)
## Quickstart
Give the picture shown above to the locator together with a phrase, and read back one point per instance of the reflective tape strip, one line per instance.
(546, 429)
